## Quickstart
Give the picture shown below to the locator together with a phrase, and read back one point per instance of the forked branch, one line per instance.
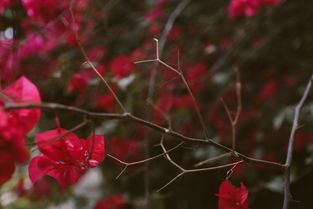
(287, 194)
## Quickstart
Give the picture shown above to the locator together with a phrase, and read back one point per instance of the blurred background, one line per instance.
(270, 42)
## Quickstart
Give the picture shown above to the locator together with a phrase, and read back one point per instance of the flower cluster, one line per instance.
(15, 124)
(65, 157)
(248, 7)
(231, 197)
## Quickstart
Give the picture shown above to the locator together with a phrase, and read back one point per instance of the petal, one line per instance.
(3, 119)
(113, 202)
(226, 198)
(226, 187)
(19, 151)
(243, 193)
(65, 174)
(39, 166)
(54, 147)
(12, 141)
(96, 150)
(7, 166)
(21, 91)
(231, 197)
(125, 149)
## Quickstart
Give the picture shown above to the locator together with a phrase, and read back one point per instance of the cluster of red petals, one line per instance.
(268, 90)
(15, 124)
(72, 40)
(168, 103)
(122, 66)
(113, 202)
(41, 189)
(157, 11)
(230, 197)
(4, 4)
(65, 159)
(194, 75)
(125, 149)
(48, 10)
(105, 101)
(44, 10)
(154, 14)
(79, 81)
(248, 7)
(13, 61)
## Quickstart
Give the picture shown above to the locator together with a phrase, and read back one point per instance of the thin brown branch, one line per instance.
(183, 171)
(51, 140)
(234, 121)
(83, 51)
(152, 80)
(145, 160)
(212, 159)
(180, 73)
(287, 194)
(145, 61)
(238, 96)
(213, 168)
(122, 171)
(167, 156)
(165, 116)
(130, 117)
(171, 181)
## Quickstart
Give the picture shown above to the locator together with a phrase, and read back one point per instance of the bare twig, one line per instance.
(130, 117)
(183, 171)
(287, 194)
(212, 159)
(170, 22)
(126, 164)
(83, 51)
(234, 120)
(168, 26)
(180, 73)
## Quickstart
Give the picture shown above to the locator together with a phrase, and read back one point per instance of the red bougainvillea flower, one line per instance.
(194, 75)
(14, 124)
(12, 149)
(41, 189)
(247, 7)
(79, 82)
(268, 91)
(96, 53)
(65, 159)
(113, 202)
(243, 7)
(230, 197)
(44, 10)
(23, 91)
(122, 66)
(72, 40)
(105, 102)
(125, 149)
(5, 4)
(271, 2)
(154, 14)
